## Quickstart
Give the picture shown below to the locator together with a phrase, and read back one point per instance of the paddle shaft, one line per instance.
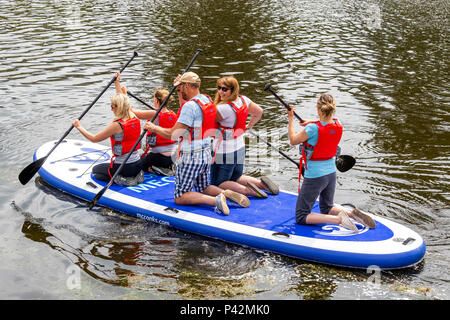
(140, 100)
(274, 148)
(283, 103)
(98, 196)
(34, 167)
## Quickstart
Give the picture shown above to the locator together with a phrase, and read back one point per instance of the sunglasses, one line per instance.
(224, 89)
(180, 86)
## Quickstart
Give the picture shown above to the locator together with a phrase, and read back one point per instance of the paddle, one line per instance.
(267, 88)
(101, 192)
(343, 162)
(141, 101)
(30, 170)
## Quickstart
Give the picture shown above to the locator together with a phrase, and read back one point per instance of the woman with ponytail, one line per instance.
(123, 131)
(160, 158)
(320, 141)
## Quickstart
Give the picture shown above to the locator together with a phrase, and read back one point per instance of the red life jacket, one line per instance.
(165, 120)
(122, 143)
(327, 143)
(209, 124)
(240, 123)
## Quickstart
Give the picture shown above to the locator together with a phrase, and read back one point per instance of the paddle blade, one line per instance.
(31, 170)
(345, 163)
(98, 196)
(267, 87)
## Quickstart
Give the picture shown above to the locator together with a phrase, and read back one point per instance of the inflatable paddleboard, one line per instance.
(268, 224)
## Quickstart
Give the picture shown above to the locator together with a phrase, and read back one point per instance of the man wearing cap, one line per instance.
(197, 112)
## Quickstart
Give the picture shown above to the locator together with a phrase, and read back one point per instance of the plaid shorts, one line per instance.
(193, 170)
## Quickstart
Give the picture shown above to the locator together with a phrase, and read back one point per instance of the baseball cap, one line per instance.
(188, 77)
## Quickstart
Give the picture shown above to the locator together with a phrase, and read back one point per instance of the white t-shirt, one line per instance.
(229, 119)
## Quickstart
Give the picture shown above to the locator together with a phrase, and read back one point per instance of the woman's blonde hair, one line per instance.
(327, 105)
(231, 83)
(160, 94)
(122, 104)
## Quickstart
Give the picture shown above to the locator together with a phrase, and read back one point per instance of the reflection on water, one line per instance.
(385, 62)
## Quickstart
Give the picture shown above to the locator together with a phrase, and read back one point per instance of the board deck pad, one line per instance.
(267, 224)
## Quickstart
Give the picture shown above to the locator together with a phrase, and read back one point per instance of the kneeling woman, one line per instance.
(124, 131)
(321, 139)
(232, 113)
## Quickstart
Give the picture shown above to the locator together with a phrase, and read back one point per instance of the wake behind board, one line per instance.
(268, 224)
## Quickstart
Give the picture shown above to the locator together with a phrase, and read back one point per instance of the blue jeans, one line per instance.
(227, 167)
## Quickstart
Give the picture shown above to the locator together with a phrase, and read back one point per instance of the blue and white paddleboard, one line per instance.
(268, 224)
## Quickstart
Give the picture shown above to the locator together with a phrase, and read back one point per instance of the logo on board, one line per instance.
(87, 155)
(338, 231)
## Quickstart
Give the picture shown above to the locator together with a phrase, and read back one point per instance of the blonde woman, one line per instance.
(160, 156)
(233, 111)
(320, 141)
(123, 131)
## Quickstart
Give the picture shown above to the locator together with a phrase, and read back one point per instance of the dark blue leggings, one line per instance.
(100, 171)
